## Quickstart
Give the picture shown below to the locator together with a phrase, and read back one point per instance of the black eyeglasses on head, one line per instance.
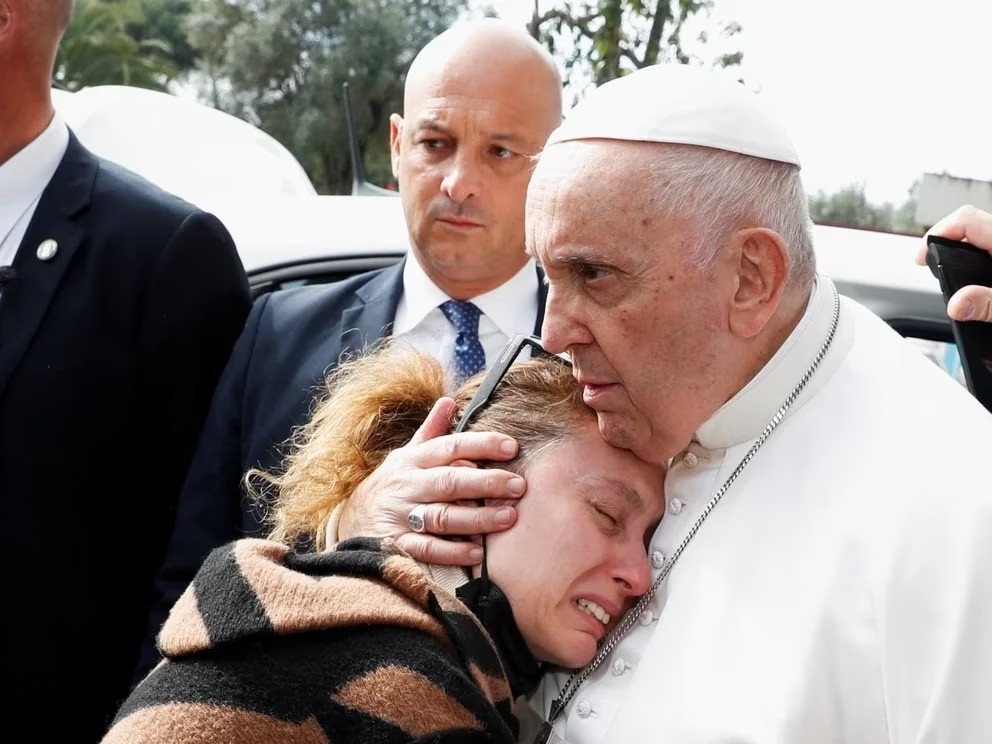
(507, 356)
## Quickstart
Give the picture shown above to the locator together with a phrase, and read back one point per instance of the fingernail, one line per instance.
(966, 310)
(516, 486)
(475, 555)
(504, 516)
(508, 447)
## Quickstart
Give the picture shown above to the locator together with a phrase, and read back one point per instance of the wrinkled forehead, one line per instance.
(559, 176)
(597, 167)
(586, 182)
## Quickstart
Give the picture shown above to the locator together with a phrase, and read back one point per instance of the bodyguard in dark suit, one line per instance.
(462, 154)
(117, 316)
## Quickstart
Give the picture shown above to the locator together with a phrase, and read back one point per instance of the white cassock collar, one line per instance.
(744, 417)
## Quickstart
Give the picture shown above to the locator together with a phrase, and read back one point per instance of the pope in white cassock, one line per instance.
(824, 569)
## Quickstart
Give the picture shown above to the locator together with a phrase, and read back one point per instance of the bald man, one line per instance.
(480, 101)
(119, 305)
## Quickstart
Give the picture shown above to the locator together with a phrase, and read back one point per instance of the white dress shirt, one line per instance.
(841, 591)
(23, 178)
(419, 323)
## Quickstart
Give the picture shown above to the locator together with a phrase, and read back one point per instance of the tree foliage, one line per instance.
(109, 43)
(600, 40)
(850, 207)
(165, 21)
(281, 63)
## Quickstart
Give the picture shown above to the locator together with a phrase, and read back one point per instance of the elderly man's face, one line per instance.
(646, 331)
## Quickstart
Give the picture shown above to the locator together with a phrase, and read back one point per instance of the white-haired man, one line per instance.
(822, 571)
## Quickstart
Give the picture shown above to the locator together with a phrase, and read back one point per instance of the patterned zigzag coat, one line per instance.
(356, 645)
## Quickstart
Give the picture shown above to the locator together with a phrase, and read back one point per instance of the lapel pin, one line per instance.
(47, 250)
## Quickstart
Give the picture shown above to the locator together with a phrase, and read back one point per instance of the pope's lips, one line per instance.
(459, 223)
(593, 391)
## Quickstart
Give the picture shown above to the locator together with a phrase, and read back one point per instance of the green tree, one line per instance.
(280, 64)
(904, 216)
(600, 40)
(100, 48)
(850, 206)
(165, 21)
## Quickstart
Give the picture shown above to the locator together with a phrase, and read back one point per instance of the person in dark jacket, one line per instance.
(119, 305)
(462, 151)
(360, 643)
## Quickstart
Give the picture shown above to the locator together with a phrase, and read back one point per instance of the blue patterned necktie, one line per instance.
(469, 357)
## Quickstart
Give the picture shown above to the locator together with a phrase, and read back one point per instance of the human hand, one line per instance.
(436, 469)
(973, 226)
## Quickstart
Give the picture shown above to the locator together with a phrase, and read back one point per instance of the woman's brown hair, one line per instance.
(374, 403)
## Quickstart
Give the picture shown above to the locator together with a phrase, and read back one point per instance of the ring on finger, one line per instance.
(415, 519)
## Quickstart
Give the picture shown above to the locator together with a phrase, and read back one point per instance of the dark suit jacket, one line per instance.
(109, 354)
(291, 340)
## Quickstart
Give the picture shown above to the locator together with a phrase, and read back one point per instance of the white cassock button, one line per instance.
(646, 618)
(675, 506)
(618, 667)
(47, 250)
(690, 460)
(657, 559)
(583, 709)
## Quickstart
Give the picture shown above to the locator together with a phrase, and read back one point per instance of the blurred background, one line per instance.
(887, 100)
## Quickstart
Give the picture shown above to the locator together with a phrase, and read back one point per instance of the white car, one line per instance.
(288, 235)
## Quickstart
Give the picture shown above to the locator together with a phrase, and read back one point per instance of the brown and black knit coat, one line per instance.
(356, 645)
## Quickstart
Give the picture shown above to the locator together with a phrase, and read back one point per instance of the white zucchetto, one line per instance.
(680, 104)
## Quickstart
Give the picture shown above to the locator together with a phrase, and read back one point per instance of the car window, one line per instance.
(945, 355)
(315, 272)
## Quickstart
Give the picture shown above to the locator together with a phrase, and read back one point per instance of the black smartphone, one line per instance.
(958, 265)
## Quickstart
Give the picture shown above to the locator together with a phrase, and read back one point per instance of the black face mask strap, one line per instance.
(496, 373)
(484, 576)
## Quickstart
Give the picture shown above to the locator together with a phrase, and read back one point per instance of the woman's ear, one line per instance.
(762, 264)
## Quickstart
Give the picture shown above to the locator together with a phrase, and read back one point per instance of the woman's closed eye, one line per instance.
(608, 518)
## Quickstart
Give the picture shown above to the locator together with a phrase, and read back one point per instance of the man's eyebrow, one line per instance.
(434, 125)
(584, 257)
(512, 139)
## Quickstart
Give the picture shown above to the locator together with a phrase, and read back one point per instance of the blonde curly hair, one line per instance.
(375, 402)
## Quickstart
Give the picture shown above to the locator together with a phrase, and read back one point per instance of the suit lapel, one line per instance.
(26, 299)
(370, 317)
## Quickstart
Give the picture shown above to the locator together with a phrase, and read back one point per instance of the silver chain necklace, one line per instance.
(574, 682)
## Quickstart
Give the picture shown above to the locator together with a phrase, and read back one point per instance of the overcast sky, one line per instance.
(873, 91)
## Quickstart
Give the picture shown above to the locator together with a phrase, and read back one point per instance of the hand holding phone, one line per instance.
(957, 265)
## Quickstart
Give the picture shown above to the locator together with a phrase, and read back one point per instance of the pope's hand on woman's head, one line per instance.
(431, 470)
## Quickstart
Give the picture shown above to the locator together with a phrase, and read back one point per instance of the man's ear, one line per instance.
(395, 136)
(6, 18)
(762, 264)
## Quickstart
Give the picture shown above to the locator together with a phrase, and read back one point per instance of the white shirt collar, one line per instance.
(24, 177)
(745, 416)
(511, 306)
